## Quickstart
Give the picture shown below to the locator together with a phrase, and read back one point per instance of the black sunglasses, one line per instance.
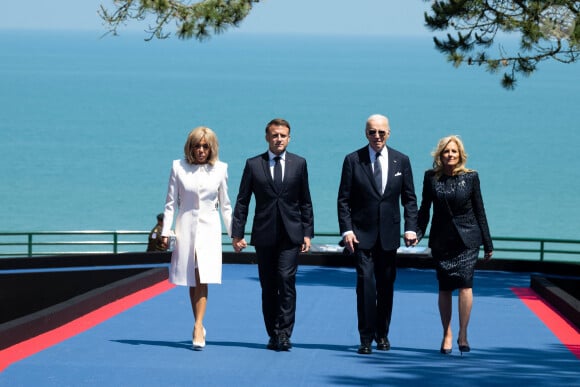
(372, 132)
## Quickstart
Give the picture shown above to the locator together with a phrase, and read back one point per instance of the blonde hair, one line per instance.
(194, 138)
(438, 164)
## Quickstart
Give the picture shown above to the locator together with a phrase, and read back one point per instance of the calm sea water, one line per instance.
(89, 126)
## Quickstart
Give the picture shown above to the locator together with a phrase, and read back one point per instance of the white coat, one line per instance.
(195, 193)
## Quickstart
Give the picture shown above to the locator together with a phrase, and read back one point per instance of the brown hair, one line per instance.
(278, 122)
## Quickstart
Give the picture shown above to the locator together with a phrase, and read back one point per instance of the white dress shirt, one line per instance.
(384, 160)
(273, 162)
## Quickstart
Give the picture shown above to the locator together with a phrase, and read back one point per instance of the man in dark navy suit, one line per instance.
(283, 227)
(374, 179)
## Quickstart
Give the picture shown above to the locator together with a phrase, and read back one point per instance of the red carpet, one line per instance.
(564, 331)
(41, 342)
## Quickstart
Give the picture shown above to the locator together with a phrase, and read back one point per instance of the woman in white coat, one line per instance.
(196, 193)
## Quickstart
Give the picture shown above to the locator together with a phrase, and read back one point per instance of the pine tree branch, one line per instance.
(548, 30)
(199, 19)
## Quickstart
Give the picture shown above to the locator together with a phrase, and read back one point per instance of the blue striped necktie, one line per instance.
(377, 173)
(277, 173)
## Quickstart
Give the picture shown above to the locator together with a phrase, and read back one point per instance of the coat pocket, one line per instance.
(468, 230)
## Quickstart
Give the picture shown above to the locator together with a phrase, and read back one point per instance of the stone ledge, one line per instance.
(51, 317)
(555, 291)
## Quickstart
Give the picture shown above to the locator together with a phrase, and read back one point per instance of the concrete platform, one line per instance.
(144, 339)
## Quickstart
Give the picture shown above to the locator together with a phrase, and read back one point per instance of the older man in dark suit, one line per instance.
(374, 179)
(283, 227)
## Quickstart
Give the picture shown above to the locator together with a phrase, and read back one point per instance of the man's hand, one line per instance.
(305, 245)
(349, 241)
(239, 244)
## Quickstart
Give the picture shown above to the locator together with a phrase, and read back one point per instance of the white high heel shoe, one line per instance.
(199, 345)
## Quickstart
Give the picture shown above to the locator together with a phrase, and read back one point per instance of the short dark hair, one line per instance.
(159, 217)
(278, 122)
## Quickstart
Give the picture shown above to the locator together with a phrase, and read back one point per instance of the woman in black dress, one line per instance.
(458, 228)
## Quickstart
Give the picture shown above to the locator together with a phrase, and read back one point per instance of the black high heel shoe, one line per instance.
(463, 348)
(445, 351)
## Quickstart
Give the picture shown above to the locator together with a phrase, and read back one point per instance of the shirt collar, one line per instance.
(272, 155)
(373, 154)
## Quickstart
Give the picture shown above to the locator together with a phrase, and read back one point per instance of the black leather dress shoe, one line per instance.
(272, 344)
(284, 343)
(365, 348)
(383, 343)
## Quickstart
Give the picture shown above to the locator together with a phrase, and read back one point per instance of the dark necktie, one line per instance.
(377, 173)
(277, 173)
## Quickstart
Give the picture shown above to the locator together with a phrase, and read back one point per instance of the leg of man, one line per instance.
(287, 267)
(366, 295)
(385, 275)
(268, 272)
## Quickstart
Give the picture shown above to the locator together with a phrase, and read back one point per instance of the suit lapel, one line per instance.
(266, 169)
(393, 163)
(365, 160)
(288, 169)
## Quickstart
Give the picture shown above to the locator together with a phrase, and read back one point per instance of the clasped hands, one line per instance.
(239, 244)
(410, 238)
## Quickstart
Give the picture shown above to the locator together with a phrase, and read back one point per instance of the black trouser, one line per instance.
(277, 266)
(376, 273)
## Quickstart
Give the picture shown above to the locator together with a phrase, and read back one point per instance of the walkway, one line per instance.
(145, 339)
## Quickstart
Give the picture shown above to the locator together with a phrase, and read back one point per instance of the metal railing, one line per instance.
(43, 243)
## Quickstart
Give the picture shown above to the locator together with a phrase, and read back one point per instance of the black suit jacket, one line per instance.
(461, 215)
(293, 201)
(367, 212)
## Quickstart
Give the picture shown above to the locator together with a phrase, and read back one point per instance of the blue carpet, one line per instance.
(150, 344)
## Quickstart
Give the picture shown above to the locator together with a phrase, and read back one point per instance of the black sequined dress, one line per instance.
(459, 226)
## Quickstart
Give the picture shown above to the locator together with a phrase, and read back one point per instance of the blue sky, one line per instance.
(382, 17)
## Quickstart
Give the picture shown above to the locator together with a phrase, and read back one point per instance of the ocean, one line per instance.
(89, 125)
